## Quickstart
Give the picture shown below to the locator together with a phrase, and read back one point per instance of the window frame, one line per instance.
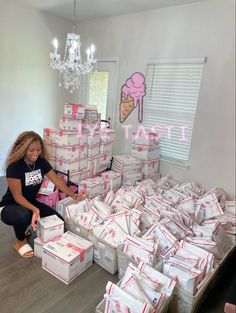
(151, 98)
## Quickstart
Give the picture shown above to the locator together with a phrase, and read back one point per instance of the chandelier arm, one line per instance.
(74, 16)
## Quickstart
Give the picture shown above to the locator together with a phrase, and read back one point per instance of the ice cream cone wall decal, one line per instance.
(132, 93)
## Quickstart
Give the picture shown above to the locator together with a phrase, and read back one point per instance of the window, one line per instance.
(172, 88)
(98, 88)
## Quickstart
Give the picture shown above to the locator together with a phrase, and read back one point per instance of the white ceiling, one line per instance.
(93, 9)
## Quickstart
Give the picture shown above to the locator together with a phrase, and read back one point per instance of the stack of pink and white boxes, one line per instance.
(79, 148)
(129, 168)
(145, 147)
(64, 255)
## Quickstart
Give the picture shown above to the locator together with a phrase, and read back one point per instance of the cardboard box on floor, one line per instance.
(50, 227)
(67, 257)
(38, 247)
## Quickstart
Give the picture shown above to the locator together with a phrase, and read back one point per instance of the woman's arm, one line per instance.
(63, 187)
(16, 190)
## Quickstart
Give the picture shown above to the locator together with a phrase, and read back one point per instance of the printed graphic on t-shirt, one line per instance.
(33, 178)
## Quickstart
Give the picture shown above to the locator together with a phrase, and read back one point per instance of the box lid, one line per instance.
(68, 247)
(50, 221)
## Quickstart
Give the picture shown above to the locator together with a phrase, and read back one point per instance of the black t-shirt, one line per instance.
(31, 178)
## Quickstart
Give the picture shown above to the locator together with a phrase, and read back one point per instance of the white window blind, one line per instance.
(172, 88)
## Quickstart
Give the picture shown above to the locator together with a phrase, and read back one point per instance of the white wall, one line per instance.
(30, 96)
(202, 29)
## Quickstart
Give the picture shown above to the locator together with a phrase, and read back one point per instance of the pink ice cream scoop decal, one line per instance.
(133, 91)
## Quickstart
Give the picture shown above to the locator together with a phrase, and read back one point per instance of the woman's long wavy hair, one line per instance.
(19, 148)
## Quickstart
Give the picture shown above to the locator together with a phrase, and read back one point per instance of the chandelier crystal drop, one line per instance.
(71, 69)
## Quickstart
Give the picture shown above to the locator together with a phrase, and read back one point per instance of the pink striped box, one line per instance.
(93, 165)
(49, 135)
(79, 176)
(145, 152)
(93, 150)
(83, 164)
(73, 110)
(64, 166)
(106, 147)
(71, 124)
(83, 151)
(67, 138)
(68, 153)
(150, 167)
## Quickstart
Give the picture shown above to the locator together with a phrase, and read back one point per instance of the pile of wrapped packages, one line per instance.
(142, 289)
(166, 239)
(175, 228)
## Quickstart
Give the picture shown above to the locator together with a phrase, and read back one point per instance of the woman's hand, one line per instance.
(79, 196)
(35, 218)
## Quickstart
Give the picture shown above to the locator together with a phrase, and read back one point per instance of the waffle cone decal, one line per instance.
(132, 93)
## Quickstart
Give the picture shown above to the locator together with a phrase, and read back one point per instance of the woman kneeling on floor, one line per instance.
(26, 166)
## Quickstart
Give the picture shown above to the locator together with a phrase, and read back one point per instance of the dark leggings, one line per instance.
(20, 217)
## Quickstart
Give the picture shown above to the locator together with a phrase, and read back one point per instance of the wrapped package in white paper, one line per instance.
(202, 231)
(146, 188)
(154, 284)
(191, 193)
(72, 211)
(120, 201)
(140, 250)
(220, 194)
(121, 219)
(199, 212)
(207, 244)
(187, 205)
(174, 196)
(117, 300)
(103, 207)
(157, 299)
(211, 206)
(136, 287)
(230, 207)
(167, 243)
(131, 286)
(193, 249)
(111, 232)
(134, 198)
(133, 226)
(192, 259)
(184, 218)
(222, 240)
(176, 228)
(153, 216)
(187, 279)
(88, 220)
(109, 197)
(148, 219)
(115, 238)
(166, 283)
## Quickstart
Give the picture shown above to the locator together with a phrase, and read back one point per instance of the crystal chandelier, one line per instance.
(71, 69)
